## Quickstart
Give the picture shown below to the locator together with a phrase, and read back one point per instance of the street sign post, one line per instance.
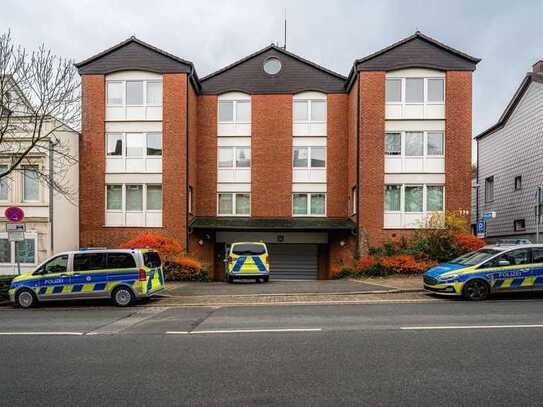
(539, 202)
(489, 215)
(481, 229)
(16, 231)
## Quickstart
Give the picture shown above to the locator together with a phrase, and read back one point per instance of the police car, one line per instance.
(122, 275)
(492, 269)
(247, 260)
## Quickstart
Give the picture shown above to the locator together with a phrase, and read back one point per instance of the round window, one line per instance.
(272, 66)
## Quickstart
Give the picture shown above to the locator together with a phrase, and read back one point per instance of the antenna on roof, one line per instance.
(285, 39)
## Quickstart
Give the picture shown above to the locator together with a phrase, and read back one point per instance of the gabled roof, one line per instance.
(416, 51)
(297, 74)
(513, 103)
(278, 49)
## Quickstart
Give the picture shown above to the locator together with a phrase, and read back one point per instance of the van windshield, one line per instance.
(151, 259)
(248, 249)
(474, 258)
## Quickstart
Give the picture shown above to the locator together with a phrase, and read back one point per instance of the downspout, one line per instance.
(358, 189)
(187, 127)
(51, 200)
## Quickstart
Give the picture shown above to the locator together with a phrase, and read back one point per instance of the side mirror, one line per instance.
(503, 263)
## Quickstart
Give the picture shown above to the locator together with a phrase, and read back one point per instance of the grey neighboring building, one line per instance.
(510, 163)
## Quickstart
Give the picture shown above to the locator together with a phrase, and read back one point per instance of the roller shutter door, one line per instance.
(294, 261)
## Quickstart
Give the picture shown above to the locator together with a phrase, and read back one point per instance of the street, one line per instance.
(446, 353)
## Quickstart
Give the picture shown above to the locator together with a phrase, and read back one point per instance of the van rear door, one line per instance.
(151, 261)
(248, 258)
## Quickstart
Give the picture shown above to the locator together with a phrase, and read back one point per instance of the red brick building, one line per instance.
(275, 148)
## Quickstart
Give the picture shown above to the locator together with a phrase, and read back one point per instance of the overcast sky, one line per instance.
(507, 35)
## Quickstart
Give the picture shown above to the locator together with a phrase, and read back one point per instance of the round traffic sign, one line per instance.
(14, 214)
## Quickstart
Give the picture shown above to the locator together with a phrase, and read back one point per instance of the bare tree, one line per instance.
(39, 100)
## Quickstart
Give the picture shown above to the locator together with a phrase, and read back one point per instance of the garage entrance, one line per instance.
(294, 261)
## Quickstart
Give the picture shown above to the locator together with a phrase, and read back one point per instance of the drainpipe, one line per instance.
(51, 199)
(358, 190)
(187, 127)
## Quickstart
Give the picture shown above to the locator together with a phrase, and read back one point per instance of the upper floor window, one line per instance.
(134, 204)
(489, 189)
(133, 152)
(309, 157)
(134, 93)
(234, 157)
(518, 182)
(4, 184)
(415, 90)
(414, 143)
(309, 110)
(233, 204)
(414, 198)
(31, 190)
(237, 111)
(519, 225)
(309, 204)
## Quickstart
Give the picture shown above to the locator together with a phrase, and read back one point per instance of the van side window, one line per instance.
(89, 261)
(151, 259)
(537, 255)
(57, 265)
(120, 261)
(515, 258)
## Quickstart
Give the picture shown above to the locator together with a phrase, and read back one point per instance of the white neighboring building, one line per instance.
(51, 218)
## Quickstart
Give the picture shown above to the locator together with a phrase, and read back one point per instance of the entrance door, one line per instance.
(294, 261)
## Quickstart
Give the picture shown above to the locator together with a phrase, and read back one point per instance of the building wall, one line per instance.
(206, 190)
(271, 161)
(502, 156)
(337, 150)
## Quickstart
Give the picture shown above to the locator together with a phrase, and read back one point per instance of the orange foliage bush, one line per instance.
(469, 243)
(188, 263)
(167, 248)
(405, 264)
(366, 262)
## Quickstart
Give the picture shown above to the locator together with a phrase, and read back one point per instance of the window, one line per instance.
(89, 261)
(414, 198)
(519, 225)
(134, 198)
(58, 264)
(414, 90)
(114, 197)
(434, 198)
(233, 204)
(354, 199)
(518, 183)
(154, 93)
(309, 111)
(234, 157)
(272, 66)
(436, 91)
(30, 184)
(513, 258)
(537, 255)
(4, 185)
(393, 143)
(309, 157)
(414, 144)
(115, 144)
(154, 197)
(393, 198)
(135, 144)
(151, 259)
(25, 251)
(190, 199)
(434, 143)
(393, 90)
(115, 92)
(248, 249)
(238, 111)
(154, 144)
(5, 251)
(134, 93)
(489, 189)
(120, 261)
(312, 204)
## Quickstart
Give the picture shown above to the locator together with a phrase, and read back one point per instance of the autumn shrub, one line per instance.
(405, 264)
(469, 243)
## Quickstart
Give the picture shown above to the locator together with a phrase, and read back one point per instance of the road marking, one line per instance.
(128, 321)
(42, 333)
(422, 328)
(237, 331)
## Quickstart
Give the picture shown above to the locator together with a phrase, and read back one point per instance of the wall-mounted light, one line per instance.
(342, 243)
(201, 242)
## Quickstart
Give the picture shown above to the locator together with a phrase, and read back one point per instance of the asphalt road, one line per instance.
(418, 354)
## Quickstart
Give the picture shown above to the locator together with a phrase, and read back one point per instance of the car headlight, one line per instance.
(449, 277)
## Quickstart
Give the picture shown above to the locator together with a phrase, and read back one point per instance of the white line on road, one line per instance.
(236, 331)
(42, 333)
(422, 328)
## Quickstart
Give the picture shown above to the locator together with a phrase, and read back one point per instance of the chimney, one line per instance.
(538, 67)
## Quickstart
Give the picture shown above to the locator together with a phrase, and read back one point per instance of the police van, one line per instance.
(123, 275)
(247, 260)
(492, 269)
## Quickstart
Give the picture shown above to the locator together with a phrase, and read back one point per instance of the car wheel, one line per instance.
(123, 296)
(26, 299)
(476, 290)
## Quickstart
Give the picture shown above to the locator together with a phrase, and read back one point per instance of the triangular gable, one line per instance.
(133, 54)
(297, 74)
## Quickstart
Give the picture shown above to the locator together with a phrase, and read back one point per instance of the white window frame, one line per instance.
(309, 155)
(424, 197)
(123, 209)
(28, 236)
(234, 157)
(424, 142)
(7, 182)
(234, 111)
(425, 91)
(23, 184)
(124, 155)
(190, 199)
(234, 198)
(309, 214)
(309, 107)
(354, 198)
(123, 83)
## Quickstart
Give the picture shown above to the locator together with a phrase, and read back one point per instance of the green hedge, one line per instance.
(5, 281)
